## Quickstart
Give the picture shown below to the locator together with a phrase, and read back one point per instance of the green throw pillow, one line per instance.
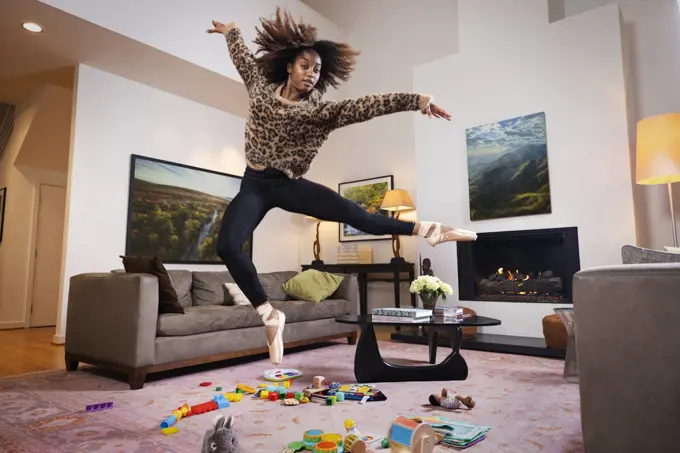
(312, 285)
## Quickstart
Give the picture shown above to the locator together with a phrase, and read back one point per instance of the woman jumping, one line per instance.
(288, 122)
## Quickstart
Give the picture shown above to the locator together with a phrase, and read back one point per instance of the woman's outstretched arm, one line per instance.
(240, 54)
(350, 111)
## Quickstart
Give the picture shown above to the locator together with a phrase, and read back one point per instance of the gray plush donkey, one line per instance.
(220, 437)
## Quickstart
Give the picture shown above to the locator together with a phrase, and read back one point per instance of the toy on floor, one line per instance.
(278, 375)
(98, 406)
(451, 402)
(220, 437)
(406, 435)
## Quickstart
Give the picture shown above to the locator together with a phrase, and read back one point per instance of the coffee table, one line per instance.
(369, 366)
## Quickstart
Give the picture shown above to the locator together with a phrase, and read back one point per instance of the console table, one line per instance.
(368, 272)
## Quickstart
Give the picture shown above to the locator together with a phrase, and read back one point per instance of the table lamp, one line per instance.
(317, 244)
(397, 201)
(658, 155)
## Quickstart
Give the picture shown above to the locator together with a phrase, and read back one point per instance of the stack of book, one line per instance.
(401, 315)
(441, 313)
(355, 253)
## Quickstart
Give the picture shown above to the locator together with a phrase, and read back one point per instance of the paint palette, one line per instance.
(283, 374)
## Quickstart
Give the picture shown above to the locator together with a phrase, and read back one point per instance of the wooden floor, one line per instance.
(29, 350)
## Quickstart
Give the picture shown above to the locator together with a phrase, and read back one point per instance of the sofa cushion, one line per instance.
(167, 296)
(182, 280)
(272, 283)
(208, 288)
(301, 311)
(208, 318)
(313, 285)
(212, 318)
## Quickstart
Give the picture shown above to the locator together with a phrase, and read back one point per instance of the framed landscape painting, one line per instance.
(508, 173)
(175, 211)
(369, 194)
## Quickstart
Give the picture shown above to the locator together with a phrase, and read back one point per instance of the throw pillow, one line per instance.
(236, 295)
(168, 302)
(312, 285)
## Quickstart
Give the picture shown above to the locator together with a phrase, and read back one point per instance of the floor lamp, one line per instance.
(397, 201)
(658, 155)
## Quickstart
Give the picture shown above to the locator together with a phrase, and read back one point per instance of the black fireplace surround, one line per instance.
(519, 266)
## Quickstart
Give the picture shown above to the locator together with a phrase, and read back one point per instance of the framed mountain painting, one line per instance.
(508, 174)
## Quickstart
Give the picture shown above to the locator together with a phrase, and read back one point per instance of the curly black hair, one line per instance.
(281, 40)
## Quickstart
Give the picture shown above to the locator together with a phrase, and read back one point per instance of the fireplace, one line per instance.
(519, 266)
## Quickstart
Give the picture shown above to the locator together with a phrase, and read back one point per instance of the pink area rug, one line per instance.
(524, 399)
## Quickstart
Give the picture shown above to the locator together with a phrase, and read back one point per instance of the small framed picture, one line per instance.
(3, 198)
(369, 194)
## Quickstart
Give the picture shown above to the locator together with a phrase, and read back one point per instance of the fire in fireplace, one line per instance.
(519, 266)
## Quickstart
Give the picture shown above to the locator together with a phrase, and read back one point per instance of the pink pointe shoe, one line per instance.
(274, 323)
(435, 235)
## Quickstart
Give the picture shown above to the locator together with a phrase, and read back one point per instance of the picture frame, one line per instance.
(3, 202)
(367, 193)
(175, 211)
(508, 168)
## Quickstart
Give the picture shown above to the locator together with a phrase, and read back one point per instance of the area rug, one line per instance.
(524, 400)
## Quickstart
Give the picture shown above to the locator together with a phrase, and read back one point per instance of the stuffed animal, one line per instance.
(451, 402)
(220, 437)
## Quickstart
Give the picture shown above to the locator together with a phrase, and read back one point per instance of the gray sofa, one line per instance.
(113, 321)
(628, 349)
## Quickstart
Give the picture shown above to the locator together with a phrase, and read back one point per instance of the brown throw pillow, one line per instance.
(168, 302)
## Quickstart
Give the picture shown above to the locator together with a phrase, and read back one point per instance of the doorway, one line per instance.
(48, 255)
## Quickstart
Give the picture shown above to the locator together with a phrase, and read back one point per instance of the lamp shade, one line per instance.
(658, 149)
(397, 200)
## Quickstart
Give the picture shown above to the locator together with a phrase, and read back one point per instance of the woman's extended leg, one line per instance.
(241, 217)
(306, 197)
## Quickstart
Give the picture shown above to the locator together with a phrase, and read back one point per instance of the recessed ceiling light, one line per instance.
(33, 27)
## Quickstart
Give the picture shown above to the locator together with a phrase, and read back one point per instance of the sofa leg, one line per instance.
(352, 338)
(137, 377)
(71, 363)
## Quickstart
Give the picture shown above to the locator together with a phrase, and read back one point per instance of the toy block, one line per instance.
(331, 400)
(263, 386)
(304, 400)
(274, 396)
(238, 390)
(340, 396)
(282, 391)
(245, 388)
(222, 402)
(286, 384)
(298, 395)
(264, 394)
(290, 395)
(98, 406)
(169, 430)
(218, 389)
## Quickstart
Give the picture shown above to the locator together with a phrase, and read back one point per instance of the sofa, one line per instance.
(113, 321)
(627, 324)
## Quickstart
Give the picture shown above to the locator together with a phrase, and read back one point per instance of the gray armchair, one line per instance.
(628, 348)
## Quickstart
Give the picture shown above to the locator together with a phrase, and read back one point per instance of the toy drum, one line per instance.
(407, 435)
(336, 438)
(311, 438)
(326, 446)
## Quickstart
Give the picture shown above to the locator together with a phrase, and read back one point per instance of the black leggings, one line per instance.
(262, 190)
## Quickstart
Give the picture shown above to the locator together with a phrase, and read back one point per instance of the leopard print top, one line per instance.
(287, 135)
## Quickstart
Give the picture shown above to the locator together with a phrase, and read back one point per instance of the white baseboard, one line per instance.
(58, 339)
(12, 325)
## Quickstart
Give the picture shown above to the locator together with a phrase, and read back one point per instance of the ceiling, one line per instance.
(68, 40)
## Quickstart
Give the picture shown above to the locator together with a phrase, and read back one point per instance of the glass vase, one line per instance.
(428, 300)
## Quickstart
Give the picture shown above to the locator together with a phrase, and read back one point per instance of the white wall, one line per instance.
(651, 35)
(40, 129)
(573, 71)
(115, 118)
(393, 36)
